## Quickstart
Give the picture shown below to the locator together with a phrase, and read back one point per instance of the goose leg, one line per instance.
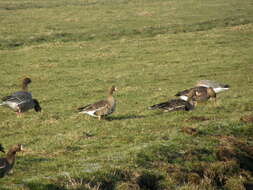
(214, 102)
(18, 112)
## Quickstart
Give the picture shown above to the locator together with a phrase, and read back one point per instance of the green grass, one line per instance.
(150, 49)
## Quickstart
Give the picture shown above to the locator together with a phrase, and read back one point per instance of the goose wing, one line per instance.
(173, 105)
(184, 92)
(177, 104)
(18, 97)
(98, 108)
(218, 87)
(3, 165)
(159, 106)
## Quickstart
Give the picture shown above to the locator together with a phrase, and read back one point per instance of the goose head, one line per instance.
(2, 148)
(14, 149)
(37, 107)
(112, 90)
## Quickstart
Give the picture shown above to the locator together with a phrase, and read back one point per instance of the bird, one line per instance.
(101, 108)
(2, 148)
(21, 101)
(7, 163)
(174, 105)
(217, 87)
(198, 94)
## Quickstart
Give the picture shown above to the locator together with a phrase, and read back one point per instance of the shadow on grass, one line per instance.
(30, 160)
(39, 186)
(124, 117)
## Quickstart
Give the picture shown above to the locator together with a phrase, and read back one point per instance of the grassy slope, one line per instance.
(74, 50)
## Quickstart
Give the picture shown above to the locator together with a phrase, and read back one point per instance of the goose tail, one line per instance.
(226, 86)
(153, 107)
(82, 109)
(157, 106)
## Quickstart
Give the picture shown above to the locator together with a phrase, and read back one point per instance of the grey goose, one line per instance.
(21, 101)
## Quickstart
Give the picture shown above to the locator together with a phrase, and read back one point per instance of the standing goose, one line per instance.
(101, 108)
(2, 148)
(217, 87)
(199, 94)
(174, 105)
(7, 163)
(21, 101)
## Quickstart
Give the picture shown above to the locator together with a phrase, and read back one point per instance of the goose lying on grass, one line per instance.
(101, 108)
(199, 94)
(7, 163)
(21, 101)
(174, 105)
(217, 87)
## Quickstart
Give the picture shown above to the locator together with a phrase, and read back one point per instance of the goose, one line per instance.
(7, 163)
(21, 101)
(199, 94)
(217, 87)
(174, 105)
(2, 148)
(101, 108)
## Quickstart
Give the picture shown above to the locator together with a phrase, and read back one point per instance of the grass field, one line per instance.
(150, 49)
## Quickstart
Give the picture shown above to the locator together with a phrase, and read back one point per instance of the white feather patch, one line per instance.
(185, 98)
(91, 113)
(219, 89)
(204, 85)
(3, 166)
(12, 105)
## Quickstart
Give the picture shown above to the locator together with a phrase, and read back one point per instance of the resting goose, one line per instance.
(199, 94)
(174, 105)
(101, 108)
(217, 87)
(21, 101)
(7, 163)
(2, 148)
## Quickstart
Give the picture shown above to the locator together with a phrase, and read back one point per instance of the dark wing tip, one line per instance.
(155, 106)
(178, 94)
(151, 107)
(5, 98)
(227, 86)
(82, 108)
